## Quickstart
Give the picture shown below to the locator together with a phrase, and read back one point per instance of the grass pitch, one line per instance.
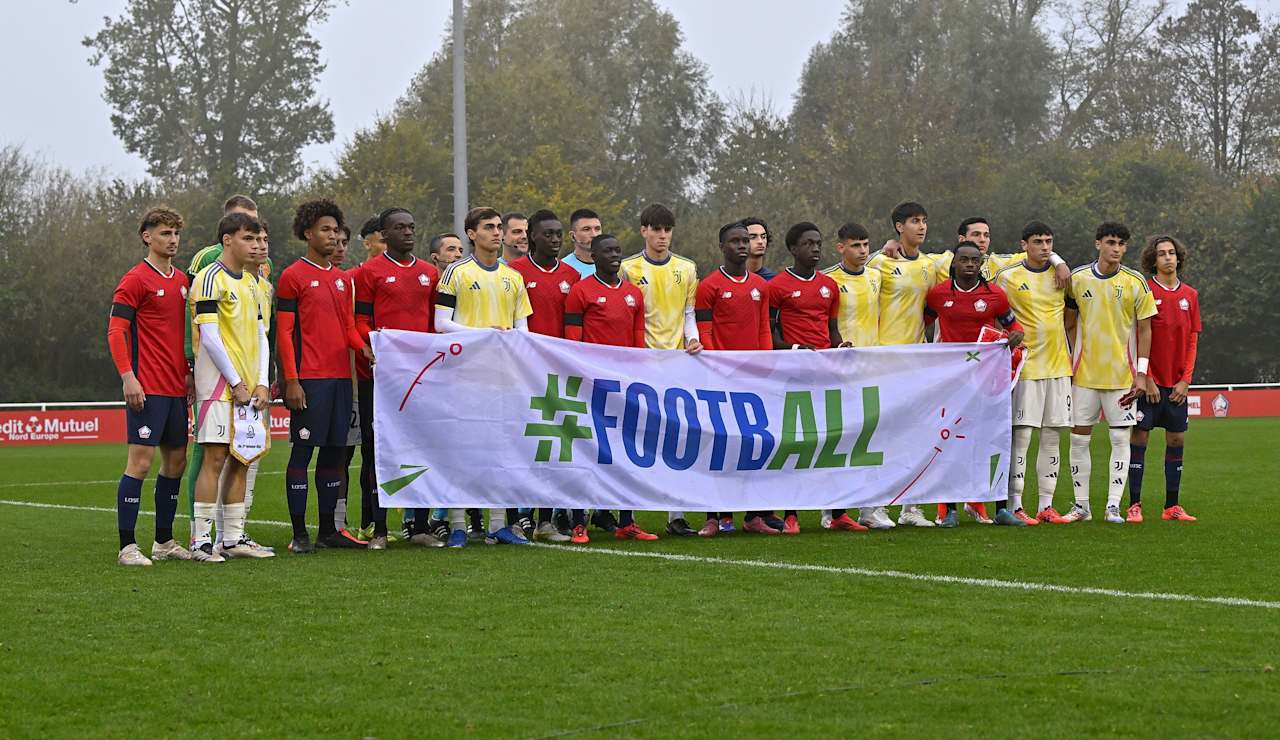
(531, 642)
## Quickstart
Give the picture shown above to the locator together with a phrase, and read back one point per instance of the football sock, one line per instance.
(674, 515)
(458, 518)
(250, 480)
(476, 519)
(1018, 468)
(328, 484)
(713, 515)
(514, 514)
(544, 515)
(1137, 460)
(837, 513)
(202, 522)
(1172, 475)
(1119, 464)
(1048, 462)
(166, 506)
(951, 507)
(1081, 468)
(128, 501)
(497, 519)
(193, 472)
(340, 513)
(295, 487)
(233, 520)
(790, 512)
(626, 517)
(368, 498)
(579, 517)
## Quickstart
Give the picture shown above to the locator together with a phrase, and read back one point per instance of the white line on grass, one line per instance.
(813, 568)
(39, 484)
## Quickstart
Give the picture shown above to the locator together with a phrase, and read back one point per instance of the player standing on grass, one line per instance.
(859, 323)
(805, 308)
(548, 281)
(1104, 301)
(584, 225)
(144, 335)
(962, 306)
(314, 330)
(1175, 331)
(479, 292)
(668, 283)
(604, 308)
(395, 290)
(1042, 397)
(732, 309)
(230, 370)
(905, 280)
(337, 259)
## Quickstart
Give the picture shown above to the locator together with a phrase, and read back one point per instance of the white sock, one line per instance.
(202, 522)
(1048, 463)
(250, 477)
(497, 519)
(458, 519)
(674, 515)
(1018, 466)
(233, 516)
(1119, 470)
(1081, 468)
(340, 513)
(218, 516)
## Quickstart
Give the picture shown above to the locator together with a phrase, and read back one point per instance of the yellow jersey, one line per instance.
(1109, 306)
(859, 318)
(904, 283)
(484, 296)
(1038, 306)
(231, 300)
(668, 288)
(992, 265)
(265, 293)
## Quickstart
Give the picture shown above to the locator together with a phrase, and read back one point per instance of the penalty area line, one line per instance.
(989, 583)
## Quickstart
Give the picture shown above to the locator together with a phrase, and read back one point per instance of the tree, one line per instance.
(220, 92)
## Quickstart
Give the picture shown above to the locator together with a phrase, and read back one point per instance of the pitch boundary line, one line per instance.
(45, 484)
(991, 583)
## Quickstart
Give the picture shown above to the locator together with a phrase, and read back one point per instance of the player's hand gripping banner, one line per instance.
(496, 419)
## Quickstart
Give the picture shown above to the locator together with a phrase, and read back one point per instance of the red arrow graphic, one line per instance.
(418, 380)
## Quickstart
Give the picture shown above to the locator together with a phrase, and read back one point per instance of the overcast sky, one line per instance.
(53, 99)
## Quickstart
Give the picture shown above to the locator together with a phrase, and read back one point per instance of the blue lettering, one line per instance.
(600, 390)
(647, 454)
(751, 429)
(719, 436)
(671, 403)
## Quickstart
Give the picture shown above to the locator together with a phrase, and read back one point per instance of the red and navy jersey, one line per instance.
(733, 313)
(315, 325)
(961, 314)
(148, 315)
(548, 290)
(1173, 345)
(805, 307)
(605, 314)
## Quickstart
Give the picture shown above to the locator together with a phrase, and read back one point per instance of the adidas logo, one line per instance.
(897, 271)
(475, 285)
(1087, 294)
(643, 281)
(1024, 286)
(844, 289)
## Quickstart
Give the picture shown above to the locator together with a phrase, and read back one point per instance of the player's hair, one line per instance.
(374, 224)
(904, 211)
(793, 233)
(580, 214)
(966, 243)
(234, 223)
(312, 211)
(382, 217)
(963, 228)
(158, 216)
(437, 241)
(476, 215)
(754, 221)
(1112, 228)
(1036, 228)
(239, 201)
(347, 230)
(657, 215)
(854, 231)
(601, 237)
(263, 223)
(1149, 252)
(540, 215)
(729, 227)
(507, 218)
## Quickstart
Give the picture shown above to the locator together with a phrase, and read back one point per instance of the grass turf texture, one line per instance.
(526, 642)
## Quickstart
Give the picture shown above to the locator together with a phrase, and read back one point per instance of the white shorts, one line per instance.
(1042, 403)
(353, 428)
(213, 422)
(1089, 406)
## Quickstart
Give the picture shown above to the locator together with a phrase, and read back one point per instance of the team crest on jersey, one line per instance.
(980, 306)
(727, 294)
(755, 294)
(144, 432)
(341, 285)
(629, 300)
(506, 284)
(824, 291)
(564, 286)
(1184, 304)
(677, 278)
(423, 280)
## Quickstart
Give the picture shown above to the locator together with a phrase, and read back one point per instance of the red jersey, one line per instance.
(961, 314)
(315, 325)
(1173, 333)
(145, 333)
(548, 290)
(733, 313)
(805, 307)
(605, 314)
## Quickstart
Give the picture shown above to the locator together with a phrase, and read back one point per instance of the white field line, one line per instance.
(993, 583)
(45, 484)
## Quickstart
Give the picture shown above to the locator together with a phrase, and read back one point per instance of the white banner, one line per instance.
(494, 419)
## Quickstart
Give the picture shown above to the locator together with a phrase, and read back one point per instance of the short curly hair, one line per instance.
(312, 211)
(160, 215)
(1149, 252)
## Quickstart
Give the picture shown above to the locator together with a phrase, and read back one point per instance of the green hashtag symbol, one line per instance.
(567, 429)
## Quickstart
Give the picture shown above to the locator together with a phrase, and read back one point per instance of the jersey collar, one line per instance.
(1029, 268)
(236, 275)
(611, 287)
(157, 269)
(326, 268)
(553, 268)
(653, 261)
(1164, 287)
(847, 271)
(412, 260)
(739, 281)
(1094, 268)
(797, 277)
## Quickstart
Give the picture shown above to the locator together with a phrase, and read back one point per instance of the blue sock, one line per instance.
(295, 487)
(128, 501)
(1172, 475)
(166, 506)
(328, 486)
(626, 517)
(1137, 463)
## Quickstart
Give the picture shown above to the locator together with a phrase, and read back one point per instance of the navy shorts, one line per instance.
(1169, 416)
(327, 417)
(162, 421)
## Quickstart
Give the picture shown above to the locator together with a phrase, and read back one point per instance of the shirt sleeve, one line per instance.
(124, 307)
(208, 292)
(704, 312)
(364, 303)
(573, 308)
(1145, 307)
(286, 318)
(524, 308)
(691, 292)
(637, 327)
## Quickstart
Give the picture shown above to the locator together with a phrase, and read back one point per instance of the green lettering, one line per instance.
(796, 407)
(828, 457)
(860, 457)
